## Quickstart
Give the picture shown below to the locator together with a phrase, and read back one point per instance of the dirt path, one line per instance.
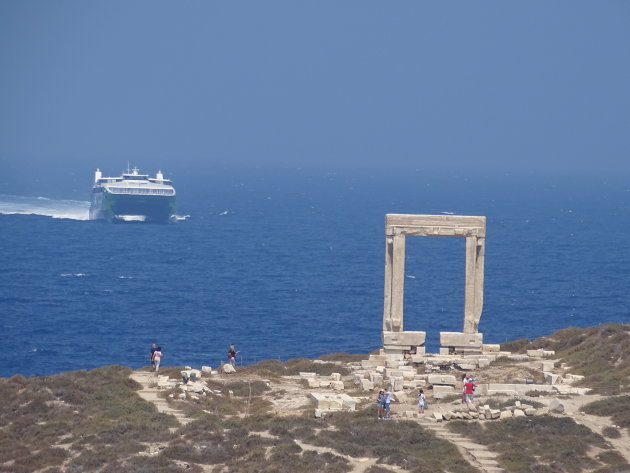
(596, 423)
(149, 392)
(476, 454)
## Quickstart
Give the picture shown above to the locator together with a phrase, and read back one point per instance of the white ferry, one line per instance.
(132, 197)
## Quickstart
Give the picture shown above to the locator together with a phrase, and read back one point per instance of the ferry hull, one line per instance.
(124, 207)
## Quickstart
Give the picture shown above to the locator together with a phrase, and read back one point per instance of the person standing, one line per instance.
(157, 358)
(388, 400)
(380, 404)
(469, 390)
(464, 378)
(153, 348)
(232, 354)
(421, 401)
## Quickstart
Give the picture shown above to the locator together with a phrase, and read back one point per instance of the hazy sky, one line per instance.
(498, 86)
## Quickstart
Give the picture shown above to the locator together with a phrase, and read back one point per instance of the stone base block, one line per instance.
(397, 348)
(460, 339)
(404, 338)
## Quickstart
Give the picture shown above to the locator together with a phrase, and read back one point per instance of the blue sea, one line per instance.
(291, 264)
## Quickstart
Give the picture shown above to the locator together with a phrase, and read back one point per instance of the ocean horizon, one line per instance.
(292, 266)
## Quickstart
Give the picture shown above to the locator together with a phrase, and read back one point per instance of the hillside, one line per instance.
(260, 419)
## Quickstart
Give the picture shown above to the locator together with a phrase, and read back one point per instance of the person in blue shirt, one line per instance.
(388, 399)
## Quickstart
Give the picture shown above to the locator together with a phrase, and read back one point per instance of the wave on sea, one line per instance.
(55, 208)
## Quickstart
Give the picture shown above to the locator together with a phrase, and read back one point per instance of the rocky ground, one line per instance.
(289, 396)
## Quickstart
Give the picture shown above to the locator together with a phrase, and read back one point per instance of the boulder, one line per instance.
(556, 406)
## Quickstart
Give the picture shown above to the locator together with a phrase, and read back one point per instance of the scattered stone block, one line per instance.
(377, 379)
(338, 385)
(530, 411)
(490, 348)
(335, 377)
(444, 351)
(369, 364)
(556, 406)
(440, 392)
(391, 372)
(312, 383)
(505, 414)
(547, 365)
(517, 357)
(572, 378)
(535, 353)
(483, 362)
(394, 355)
(206, 369)
(494, 413)
(304, 374)
(549, 353)
(397, 383)
(448, 415)
(357, 379)
(442, 379)
(552, 378)
(438, 417)
(228, 369)
(366, 385)
(519, 413)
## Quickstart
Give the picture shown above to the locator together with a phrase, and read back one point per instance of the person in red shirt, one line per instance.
(469, 389)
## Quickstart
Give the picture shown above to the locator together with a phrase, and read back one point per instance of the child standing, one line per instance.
(421, 401)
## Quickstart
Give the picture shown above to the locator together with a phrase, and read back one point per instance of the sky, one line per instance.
(198, 87)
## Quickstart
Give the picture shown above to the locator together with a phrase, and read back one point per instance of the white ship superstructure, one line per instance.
(132, 197)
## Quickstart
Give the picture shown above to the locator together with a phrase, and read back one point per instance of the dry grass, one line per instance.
(292, 367)
(403, 443)
(95, 411)
(543, 444)
(601, 354)
(617, 408)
